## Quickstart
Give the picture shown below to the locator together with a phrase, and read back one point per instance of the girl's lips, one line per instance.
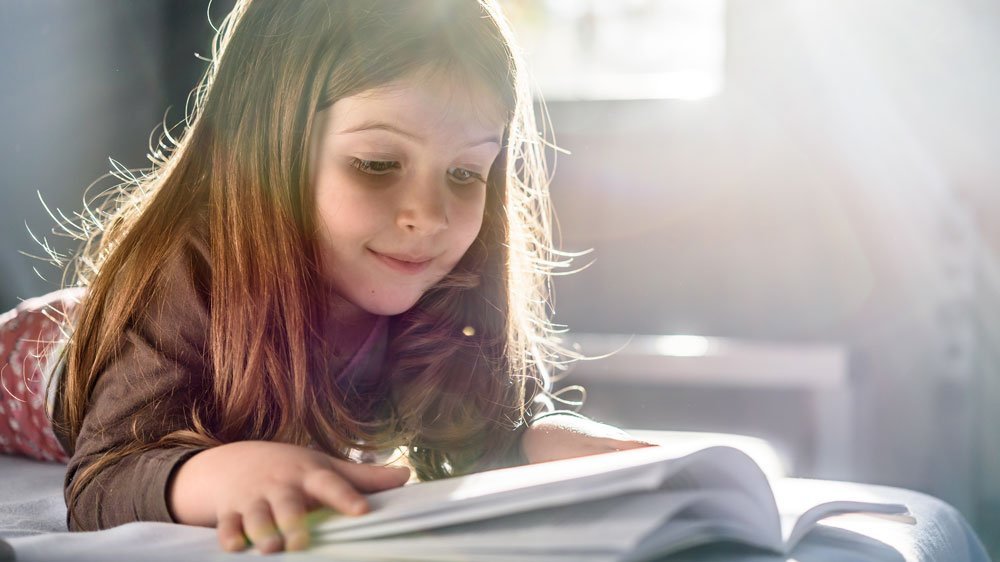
(402, 266)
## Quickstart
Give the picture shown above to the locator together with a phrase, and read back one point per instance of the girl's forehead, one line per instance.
(451, 108)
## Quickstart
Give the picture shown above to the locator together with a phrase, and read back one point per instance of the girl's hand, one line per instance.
(564, 436)
(263, 490)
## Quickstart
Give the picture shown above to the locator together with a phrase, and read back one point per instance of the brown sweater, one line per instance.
(163, 366)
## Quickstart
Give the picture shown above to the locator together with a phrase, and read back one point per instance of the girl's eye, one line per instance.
(462, 176)
(374, 167)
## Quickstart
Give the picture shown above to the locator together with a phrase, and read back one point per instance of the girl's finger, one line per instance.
(331, 489)
(635, 444)
(624, 445)
(372, 477)
(258, 524)
(230, 532)
(288, 508)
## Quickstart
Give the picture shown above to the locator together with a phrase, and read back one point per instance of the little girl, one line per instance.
(346, 252)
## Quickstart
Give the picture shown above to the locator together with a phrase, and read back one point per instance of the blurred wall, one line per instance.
(81, 82)
(843, 188)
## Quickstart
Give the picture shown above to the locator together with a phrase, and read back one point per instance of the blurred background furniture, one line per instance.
(811, 381)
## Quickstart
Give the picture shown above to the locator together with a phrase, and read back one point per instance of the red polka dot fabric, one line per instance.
(30, 337)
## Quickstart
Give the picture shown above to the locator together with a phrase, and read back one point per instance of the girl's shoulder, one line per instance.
(191, 266)
(180, 300)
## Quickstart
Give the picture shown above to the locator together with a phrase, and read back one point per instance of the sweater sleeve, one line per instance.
(144, 393)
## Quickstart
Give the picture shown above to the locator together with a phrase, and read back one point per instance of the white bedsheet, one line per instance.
(32, 522)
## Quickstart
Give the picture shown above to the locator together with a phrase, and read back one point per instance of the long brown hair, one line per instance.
(464, 364)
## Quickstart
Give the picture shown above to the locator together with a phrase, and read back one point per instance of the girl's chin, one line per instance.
(389, 306)
(348, 305)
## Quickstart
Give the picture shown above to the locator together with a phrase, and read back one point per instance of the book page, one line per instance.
(614, 526)
(804, 523)
(513, 490)
(742, 493)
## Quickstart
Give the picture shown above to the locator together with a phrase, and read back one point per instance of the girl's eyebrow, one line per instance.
(383, 126)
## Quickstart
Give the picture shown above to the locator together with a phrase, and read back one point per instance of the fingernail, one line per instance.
(359, 506)
(270, 544)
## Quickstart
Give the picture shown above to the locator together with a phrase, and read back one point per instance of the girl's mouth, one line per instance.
(402, 264)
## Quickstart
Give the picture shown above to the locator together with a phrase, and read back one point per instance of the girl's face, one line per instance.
(400, 188)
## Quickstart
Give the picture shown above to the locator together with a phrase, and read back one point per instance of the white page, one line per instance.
(681, 534)
(805, 522)
(734, 500)
(736, 513)
(513, 490)
(726, 470)
(356, 552)
(617, 524)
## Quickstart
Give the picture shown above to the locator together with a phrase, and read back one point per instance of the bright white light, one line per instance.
(682, 346)
(622, 49)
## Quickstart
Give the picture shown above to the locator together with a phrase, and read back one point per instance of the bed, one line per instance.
(32, 523)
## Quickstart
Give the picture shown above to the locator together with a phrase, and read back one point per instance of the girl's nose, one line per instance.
(423, 210)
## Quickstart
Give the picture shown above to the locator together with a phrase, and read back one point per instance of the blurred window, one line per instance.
(622, 49)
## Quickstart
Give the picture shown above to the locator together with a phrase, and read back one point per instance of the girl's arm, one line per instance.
(264, 490)
(145, 392)
(562, 435)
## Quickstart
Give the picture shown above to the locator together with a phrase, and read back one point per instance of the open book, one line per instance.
(630, 505)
